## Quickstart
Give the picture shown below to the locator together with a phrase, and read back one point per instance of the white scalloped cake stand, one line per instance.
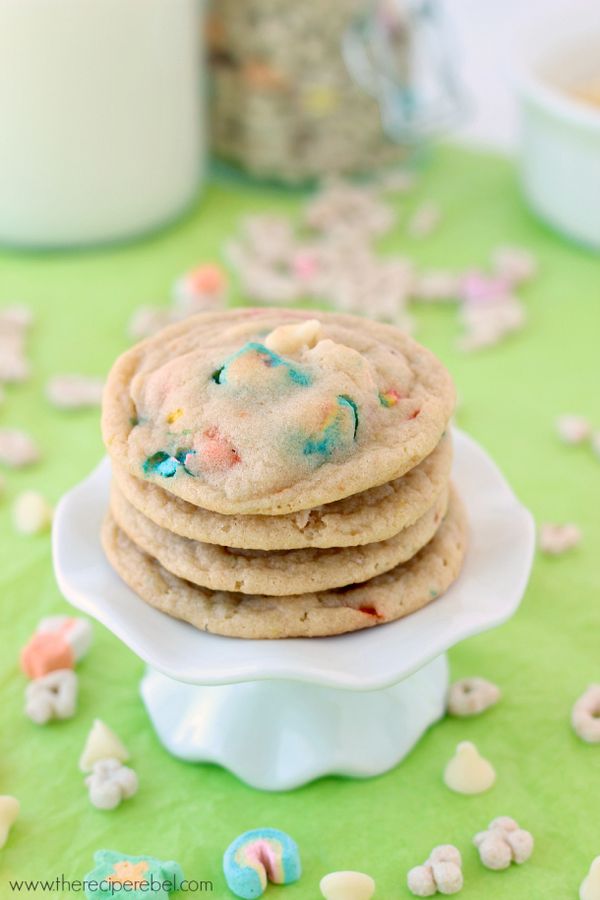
(281, 713)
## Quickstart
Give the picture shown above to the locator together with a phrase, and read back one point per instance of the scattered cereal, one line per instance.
(101, 743)
(17, 449)
(257, 857)
(442, 873)
(110, 782)
(74, 391)
(503, 842)
(52, 696)
(32, 514)
(14, 323)
(203, 289)
(557, 539)
(9, 810)
(573, 429)
(137, 877)
(147, 320)
(347, 886)
(596, 443)
(514, 263)
(585, 716)
(590, 886)
(468, 772)
(471, 696)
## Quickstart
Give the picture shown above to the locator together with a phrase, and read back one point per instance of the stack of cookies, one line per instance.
(280, 475)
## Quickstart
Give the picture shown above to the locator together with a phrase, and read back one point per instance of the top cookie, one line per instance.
(258, 411)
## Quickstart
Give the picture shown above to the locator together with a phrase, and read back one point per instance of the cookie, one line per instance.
(372, 515)
(239, 413)
(396, 593)
(278, 572)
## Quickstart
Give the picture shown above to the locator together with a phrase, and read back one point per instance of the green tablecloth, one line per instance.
(543, 659)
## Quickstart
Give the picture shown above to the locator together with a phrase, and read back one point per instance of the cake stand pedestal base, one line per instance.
(277, 735)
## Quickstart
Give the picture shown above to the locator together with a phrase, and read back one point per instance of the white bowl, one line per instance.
(559, 133)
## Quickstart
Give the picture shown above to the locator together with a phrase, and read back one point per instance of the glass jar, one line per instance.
(302, 89)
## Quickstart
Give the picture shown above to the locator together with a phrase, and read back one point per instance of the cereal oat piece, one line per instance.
(101, 743)
(53, 696)
(202, 289)
(502, 843)
(57, 643)
(585, 717)
(468, 772)
(147, 320)
(573, 429)
(471, 696)
(347, 886)
(557, 539)
(514, 263)
(110, 782)
(74, 391)
(596, 443)
(442, 873)
(17, 448)
(257, 857)
(9, 810)
(590, 886)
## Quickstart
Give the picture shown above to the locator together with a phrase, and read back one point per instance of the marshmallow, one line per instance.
(347, 886)
(442, 873)
(32, 514)
(110, 782)
(557, 539)
(471, 696)
(9, 810)
(503, 842)
(53, 696)
(101, 743)
(468, 772)
(74, 391)
(17, 449)
(57, 643)
(590, 886)
(585, 716)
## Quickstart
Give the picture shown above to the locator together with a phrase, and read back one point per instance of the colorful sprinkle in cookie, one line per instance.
(257, 857)
(213, 414)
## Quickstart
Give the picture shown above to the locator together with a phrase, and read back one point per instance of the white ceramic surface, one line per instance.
(560, 134)
(354, 704)
(487, 593)
(278, 735)
(101, 109)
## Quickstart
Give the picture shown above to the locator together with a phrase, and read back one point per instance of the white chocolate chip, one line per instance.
(590, 886)
(347, 886)
(471, 696)
(74, 391)
(503, 842)
(557, 539)
(585, 716)
(17, 448)
(32, 514)
(53, 696)
(101, 743)
(287, 339)
(442, 873)
(573, 429)
(110, 782)
(468, 772)
(9, 810)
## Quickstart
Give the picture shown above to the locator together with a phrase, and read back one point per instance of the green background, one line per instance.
(543, 659)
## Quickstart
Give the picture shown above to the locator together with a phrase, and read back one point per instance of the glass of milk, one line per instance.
(101, 118)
